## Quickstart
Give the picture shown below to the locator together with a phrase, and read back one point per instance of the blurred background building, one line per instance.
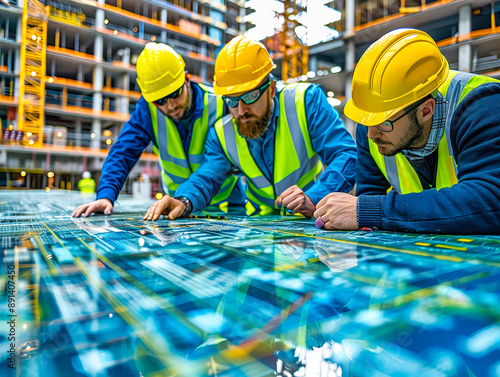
(67, 68)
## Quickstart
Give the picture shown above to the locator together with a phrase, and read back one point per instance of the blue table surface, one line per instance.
(266, 296)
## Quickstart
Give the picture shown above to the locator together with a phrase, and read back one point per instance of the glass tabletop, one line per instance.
(222, 294)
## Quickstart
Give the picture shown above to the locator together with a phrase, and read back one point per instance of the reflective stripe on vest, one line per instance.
(176, 167)
(295, 161)
(398, 170)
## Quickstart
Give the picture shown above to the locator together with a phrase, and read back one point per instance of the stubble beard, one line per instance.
(414, 136)
(185, 109)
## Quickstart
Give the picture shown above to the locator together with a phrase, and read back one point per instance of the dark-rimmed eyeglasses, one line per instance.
(249, 97)
(388, 125)
(174, 95)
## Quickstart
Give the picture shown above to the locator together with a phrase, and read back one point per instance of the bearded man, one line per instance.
(174, 114)
(291, 145)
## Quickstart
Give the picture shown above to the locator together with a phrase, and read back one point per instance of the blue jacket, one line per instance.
(329, 137)
(470, 207)
(134, 137)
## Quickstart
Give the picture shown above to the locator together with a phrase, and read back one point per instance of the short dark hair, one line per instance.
(420, 101)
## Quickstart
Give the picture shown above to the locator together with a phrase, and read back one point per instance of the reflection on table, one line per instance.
(269, 296)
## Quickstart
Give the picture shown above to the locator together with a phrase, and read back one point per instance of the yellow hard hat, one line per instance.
(241, 66)
(160, 71)
(400, 68)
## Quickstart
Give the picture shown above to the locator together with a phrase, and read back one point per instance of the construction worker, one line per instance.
(428, 143)
(86, 184)
(175, 114)
(280, 140)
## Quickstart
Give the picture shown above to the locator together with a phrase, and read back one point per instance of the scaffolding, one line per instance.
(32, 72)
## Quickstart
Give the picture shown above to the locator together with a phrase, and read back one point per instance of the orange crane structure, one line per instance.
(32, 73)
(295, 54)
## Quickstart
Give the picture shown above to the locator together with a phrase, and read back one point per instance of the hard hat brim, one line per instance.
(239, 88)
(163, 92)
(367, 118)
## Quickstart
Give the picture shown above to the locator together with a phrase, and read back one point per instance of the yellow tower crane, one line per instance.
(295, 54)
(32, 72)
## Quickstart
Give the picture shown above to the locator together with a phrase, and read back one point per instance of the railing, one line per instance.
(468, 36)
(150, 21)
(369, 14)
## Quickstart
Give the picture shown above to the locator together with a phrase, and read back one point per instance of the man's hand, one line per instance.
(101, 205)
(165, 206)
(338, 211)
(294, 199)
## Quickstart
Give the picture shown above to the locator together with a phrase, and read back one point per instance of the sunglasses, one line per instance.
(248, 98)
(388, 125)
(174, 95)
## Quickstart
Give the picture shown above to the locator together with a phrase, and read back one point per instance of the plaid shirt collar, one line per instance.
(437, 130)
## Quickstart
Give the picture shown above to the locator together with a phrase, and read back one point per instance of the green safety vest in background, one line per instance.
(176, 167)
(295, 161)
(398, 170)
(86, 185)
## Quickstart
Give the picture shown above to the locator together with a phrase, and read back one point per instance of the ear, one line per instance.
(428, 108)
(273, 88)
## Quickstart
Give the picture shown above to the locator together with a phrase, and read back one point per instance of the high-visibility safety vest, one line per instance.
(398, 170)
(176, 167)
(86, 185)
(295, 161)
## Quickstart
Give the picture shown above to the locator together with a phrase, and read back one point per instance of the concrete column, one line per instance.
(125, 82)
(313, 63)
(474, 59)
(78, 133)
(163, 19)
(464, 27)
(77, 41)
(349, 124)
(350, 16)
(96, 128)
(79, 75)
(16, 67)
(350, 55)
(99, 17)
(17, 61)
(98, 79)
(63, 38)
(350, 58)
(203, 71)
(242, 25)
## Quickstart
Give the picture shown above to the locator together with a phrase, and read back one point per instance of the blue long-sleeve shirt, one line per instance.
(472, 206)
(329, 138)
(134, 137)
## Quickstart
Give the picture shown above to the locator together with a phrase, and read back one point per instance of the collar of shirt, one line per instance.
(437, 130)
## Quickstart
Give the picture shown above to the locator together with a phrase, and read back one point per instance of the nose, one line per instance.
(170, 104)
(242, 107)
(374, 132)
